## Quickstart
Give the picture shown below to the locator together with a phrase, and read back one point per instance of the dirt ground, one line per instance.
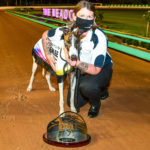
(124, 120)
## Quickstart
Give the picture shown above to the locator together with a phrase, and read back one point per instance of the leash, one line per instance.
(77, 74)
(66, 63)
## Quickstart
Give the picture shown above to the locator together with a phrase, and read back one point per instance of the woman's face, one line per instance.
(84, 13)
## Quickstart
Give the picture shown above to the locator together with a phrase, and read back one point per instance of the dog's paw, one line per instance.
(61, 111)
(73, 110)
(52, 89)
(29, 89)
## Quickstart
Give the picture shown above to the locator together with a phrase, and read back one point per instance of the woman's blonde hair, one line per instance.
(83, 4)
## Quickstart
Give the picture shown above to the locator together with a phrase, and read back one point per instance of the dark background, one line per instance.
(68, 2)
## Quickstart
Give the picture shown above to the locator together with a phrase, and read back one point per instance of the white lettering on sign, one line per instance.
(63, 14)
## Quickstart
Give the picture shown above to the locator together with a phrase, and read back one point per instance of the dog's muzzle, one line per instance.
(74, 57)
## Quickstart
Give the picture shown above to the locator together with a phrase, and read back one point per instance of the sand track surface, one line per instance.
(124, 120)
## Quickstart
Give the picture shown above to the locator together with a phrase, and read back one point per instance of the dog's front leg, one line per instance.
(72, 89)
(51, 88)
(61, 98)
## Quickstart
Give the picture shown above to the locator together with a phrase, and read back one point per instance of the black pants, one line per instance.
(92, 87)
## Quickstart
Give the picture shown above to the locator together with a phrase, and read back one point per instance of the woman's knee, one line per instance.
(88, 88)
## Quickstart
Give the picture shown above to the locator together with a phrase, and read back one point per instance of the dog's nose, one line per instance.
(73, 57)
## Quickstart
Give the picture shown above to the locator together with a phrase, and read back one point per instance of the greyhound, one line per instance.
(62, 67)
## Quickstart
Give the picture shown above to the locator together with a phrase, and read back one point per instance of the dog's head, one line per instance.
(71, 42)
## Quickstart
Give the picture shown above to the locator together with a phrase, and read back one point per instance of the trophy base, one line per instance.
(66, 142)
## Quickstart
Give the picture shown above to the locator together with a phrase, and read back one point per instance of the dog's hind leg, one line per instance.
(48, 75)
(34, 67)
(61, 98)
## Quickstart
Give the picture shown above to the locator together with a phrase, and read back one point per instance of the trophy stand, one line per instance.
(67, 130)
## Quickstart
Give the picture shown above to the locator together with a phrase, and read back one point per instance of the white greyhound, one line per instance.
(62, 67)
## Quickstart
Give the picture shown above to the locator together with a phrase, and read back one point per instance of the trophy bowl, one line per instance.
(67, 130)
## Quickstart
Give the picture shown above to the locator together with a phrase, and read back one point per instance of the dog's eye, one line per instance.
(66, 31)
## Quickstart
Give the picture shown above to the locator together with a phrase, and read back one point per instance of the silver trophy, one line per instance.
(67, 130)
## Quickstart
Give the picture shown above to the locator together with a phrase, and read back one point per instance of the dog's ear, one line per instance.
(79, 32)
(65, 30)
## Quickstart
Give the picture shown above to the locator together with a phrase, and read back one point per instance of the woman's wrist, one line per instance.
(82, 66)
